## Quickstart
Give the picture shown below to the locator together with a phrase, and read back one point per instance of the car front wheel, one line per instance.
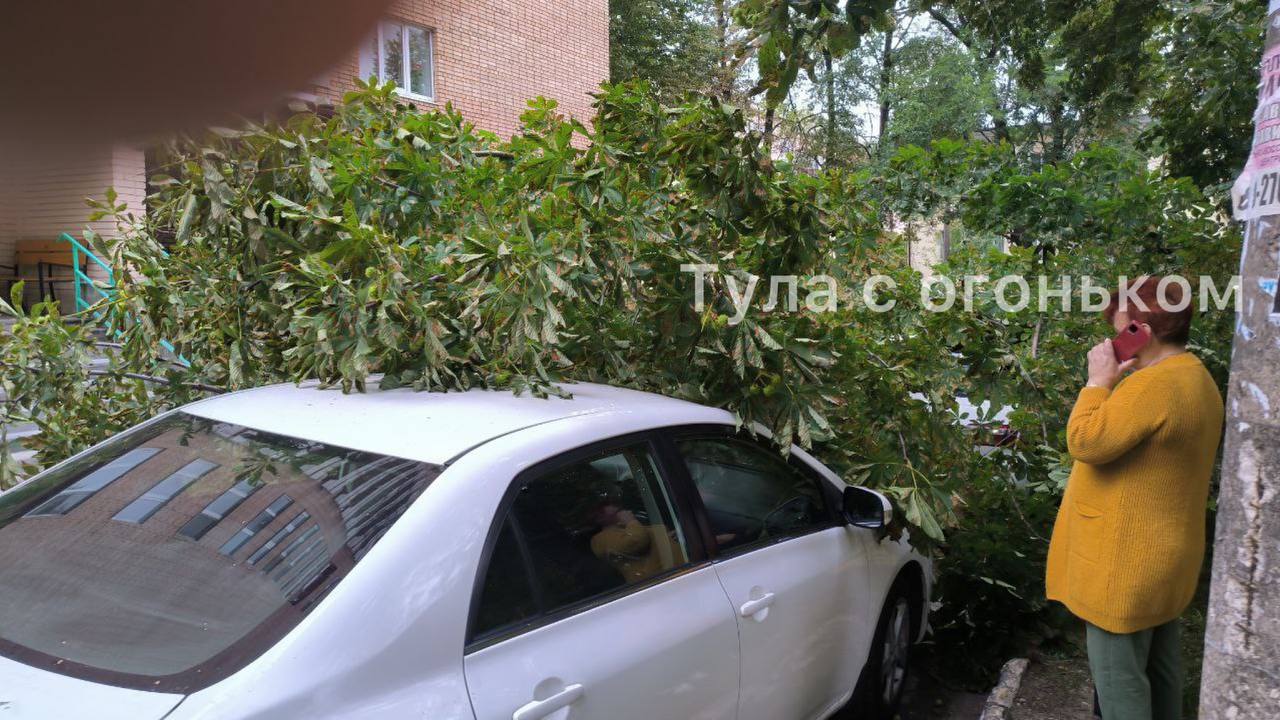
(884, 675)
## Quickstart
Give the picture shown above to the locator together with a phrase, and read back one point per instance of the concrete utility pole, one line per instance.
(1242, 646)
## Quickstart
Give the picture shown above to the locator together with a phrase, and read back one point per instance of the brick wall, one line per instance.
(8, 218)
(492, 57)
(41, 198)
(927, 246)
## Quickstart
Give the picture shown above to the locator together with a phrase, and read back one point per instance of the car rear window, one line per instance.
(173, 555)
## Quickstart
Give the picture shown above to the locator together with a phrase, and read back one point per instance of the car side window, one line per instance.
(582, 530)
(751, 494)
(507, 598)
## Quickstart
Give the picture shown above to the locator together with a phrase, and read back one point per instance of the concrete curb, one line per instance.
(1000, 701)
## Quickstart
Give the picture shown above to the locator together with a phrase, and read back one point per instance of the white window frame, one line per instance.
(374, 65)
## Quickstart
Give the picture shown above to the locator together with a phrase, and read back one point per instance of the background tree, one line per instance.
(793, 36)
(1062, 75)
(672, 44)
(1100, 46)
(1205, 89)
(937, 91)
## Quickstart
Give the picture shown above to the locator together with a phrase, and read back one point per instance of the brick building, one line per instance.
(484, 57)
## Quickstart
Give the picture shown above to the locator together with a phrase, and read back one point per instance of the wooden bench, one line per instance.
(8, 276)
(45, 256)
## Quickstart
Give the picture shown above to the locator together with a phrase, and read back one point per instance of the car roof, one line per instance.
(433, 427)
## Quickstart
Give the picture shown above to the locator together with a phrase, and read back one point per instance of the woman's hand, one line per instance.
(1104, 370)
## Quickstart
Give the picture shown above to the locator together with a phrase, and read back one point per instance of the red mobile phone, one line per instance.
(1130, 341)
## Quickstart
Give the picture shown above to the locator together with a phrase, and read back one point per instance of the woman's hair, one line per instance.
(1168, 324)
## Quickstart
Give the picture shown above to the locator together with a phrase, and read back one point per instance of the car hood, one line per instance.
(28, 693)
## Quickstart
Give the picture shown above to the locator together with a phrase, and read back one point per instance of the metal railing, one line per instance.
(84, 285)
(81, 279)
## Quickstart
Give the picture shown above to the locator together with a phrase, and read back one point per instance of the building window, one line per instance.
(140, 510)
(221, 506)
(255, 526)
(302, 545)
(84, 488)
(279, 537)
(402, 54)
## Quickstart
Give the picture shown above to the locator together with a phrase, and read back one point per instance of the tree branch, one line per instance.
(160, 381)
(951, 27)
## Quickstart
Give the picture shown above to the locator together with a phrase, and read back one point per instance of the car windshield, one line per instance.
(173, 555)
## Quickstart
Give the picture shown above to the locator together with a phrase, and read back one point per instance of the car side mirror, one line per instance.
(867, 509)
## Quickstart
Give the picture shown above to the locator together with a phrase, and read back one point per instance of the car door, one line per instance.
(794, 573)
(595, 600)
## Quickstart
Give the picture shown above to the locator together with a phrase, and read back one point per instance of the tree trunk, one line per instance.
(1000, 124)
(886, 76)
(725, 80)
(1242, 644)
(831, 108)
(1057, 133)
(770, 116)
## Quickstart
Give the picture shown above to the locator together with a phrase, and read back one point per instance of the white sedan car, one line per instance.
(293, 552)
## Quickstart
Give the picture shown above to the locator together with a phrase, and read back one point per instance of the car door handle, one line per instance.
(751, 608)
(542, 708)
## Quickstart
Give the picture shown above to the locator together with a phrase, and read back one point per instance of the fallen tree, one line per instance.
(380, 242)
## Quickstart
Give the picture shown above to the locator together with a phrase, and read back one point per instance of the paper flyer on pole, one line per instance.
(1257, 192)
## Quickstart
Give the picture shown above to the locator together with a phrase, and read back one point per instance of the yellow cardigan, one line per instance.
(1129, 538)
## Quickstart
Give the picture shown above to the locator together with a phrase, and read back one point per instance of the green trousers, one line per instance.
(1138, 675)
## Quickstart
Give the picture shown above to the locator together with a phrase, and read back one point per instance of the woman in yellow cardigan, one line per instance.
(1130, 535)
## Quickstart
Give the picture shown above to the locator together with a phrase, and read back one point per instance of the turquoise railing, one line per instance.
(84, 285)
(82, 279)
